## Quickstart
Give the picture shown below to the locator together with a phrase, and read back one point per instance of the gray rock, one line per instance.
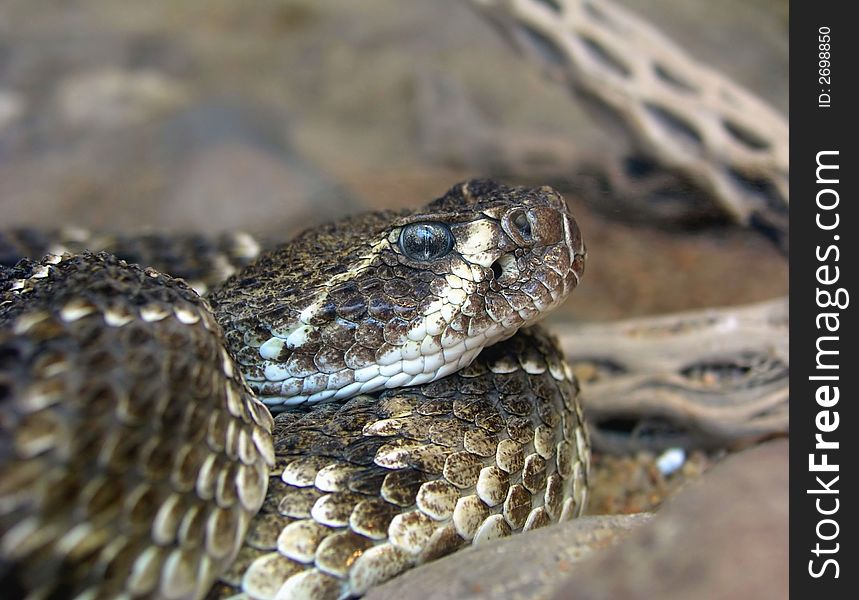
(114, 98)
(525, 566)
(726, 536)
(11, 108)
(229, 163)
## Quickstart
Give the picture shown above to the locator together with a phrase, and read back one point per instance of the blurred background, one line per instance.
(275, 115)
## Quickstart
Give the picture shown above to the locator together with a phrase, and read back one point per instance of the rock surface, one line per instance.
(525, 566)
(724, 537)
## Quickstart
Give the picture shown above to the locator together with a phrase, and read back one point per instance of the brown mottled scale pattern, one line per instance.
(202, 261)
(360, 492)
(343, 310)
(132, 454)
(134, 450)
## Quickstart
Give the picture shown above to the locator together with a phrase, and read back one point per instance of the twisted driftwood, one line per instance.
(705, 379)
(683, 115)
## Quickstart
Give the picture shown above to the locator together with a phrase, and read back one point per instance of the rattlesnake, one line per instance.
(137, 455)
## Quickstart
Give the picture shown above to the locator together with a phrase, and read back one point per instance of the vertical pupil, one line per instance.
(426, 241)
(425, 235)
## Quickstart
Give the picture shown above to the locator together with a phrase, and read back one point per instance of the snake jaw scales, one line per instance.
(136, 459)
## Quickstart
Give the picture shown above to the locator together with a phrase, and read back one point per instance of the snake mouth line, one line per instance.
(575, 249)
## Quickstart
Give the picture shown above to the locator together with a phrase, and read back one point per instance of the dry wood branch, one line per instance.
(453, 130)
(707, 379)
(687, 117)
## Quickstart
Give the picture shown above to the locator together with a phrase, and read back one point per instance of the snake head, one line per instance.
(515, 241)
(387, 300)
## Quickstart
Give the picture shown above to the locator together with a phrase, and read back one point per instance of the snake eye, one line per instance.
(522, 225)
(426, 241)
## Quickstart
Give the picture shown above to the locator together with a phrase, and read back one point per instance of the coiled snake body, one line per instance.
(138, 458)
